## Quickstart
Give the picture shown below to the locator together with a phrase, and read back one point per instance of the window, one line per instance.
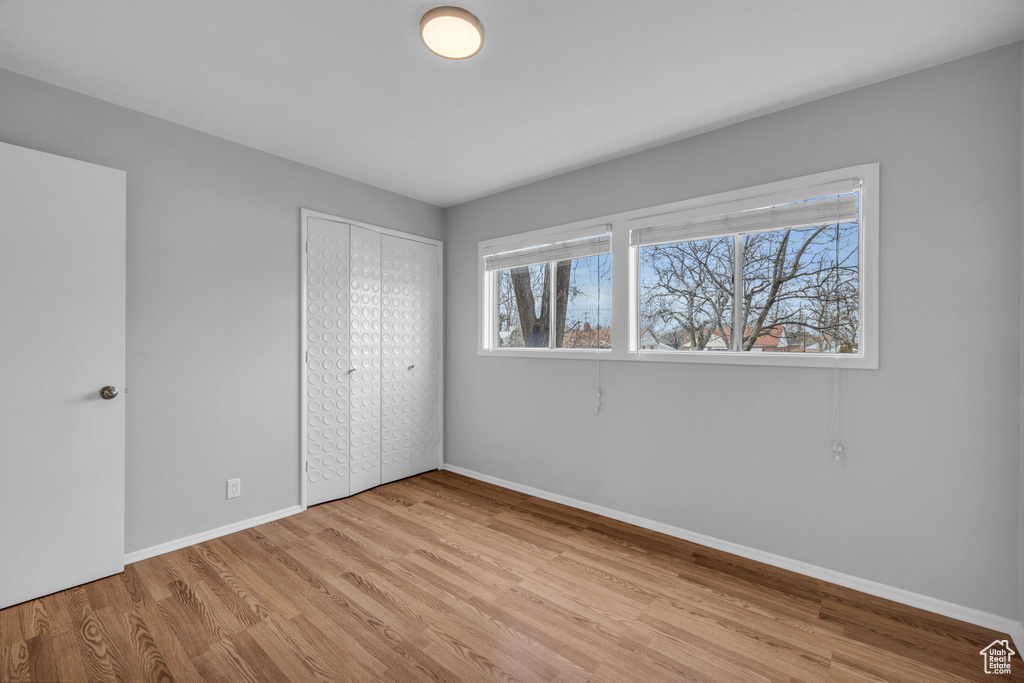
(686, 295)
(575, 274)
(523, 300)
(586, 323)
(779, 274)
(789, 290)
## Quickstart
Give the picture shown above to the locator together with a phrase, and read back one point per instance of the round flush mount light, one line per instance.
(451, 32)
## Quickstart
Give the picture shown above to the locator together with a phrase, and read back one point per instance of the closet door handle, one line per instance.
(412, 366)
(350, 371)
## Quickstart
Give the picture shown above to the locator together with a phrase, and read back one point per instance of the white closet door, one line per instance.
(410, 357)
(327, 379)
(365, 310)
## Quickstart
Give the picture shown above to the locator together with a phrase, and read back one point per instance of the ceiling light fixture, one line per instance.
(451, 32)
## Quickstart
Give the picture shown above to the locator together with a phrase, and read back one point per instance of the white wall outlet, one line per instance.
(234, 488)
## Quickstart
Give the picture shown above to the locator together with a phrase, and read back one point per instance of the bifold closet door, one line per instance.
(364, 389)
(410, 357)
(373, 342)
(327, 377)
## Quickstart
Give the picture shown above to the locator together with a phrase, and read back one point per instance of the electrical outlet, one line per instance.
(234, 488)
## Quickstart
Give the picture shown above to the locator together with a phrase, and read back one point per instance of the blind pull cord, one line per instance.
(837, 422)
(837, 417)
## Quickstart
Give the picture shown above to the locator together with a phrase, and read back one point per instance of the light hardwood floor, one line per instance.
(443, 578)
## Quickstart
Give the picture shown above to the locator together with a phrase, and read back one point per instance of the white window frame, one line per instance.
(487, 337)
(625, 274)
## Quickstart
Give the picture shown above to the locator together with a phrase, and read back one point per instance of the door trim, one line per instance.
(304, 215)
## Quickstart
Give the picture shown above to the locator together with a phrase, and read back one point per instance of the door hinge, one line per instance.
(307, 357)
(307, 247)
(307, 466)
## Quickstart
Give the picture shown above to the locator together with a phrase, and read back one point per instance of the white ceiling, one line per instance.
(346, 86)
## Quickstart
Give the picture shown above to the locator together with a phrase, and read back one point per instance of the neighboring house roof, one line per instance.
(601, 338)
(769, 337)
(587, 338)
(511, 338)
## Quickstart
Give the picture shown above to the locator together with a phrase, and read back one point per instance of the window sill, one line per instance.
(564, 354)
(796, 360)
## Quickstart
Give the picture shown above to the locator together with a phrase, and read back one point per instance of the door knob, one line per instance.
(412, 366)
(109, 392)
(350, 371)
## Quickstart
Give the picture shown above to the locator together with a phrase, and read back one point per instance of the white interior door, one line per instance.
(327, 363)
(364, 391)
(410, 357)
(62, 339)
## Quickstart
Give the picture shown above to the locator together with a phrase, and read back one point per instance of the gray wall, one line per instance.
(1020, 566)
(213, 301)
(929, 499)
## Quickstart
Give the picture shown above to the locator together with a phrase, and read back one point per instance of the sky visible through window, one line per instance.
(590, 293)
(583, 286)
(800, 291)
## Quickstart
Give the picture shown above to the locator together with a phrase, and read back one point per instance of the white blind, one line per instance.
(556, 251)
(821, 211)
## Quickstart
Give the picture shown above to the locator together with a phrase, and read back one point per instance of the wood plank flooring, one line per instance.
(443, 578)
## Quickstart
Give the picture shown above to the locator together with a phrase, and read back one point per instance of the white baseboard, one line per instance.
(993, 621)
(177, 544)
(1017, 635)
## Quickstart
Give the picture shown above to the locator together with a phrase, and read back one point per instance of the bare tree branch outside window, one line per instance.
(582, 304)
(687, 292)
(587, 323)
(800, 291)
(800, 294)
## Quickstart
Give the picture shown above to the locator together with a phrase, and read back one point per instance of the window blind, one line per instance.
(543, 253)
(819, 211)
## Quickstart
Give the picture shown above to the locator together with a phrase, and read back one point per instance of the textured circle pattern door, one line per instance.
(410, 357)
(365, 299)
(327, 378)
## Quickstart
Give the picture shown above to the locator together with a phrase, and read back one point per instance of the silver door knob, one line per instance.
(412, 366)
(109, 392)
(350, 371)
